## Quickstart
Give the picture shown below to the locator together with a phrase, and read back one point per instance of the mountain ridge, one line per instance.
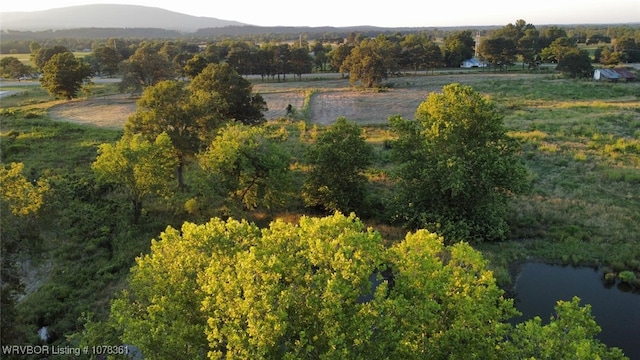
(108, 16)
(114, 18)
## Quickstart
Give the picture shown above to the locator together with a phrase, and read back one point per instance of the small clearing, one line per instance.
(109, 112)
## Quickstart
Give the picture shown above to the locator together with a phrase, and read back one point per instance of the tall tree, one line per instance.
(20, 200)
(40, 55)
(63, 75)
(413, 51)
(576, 64)
(570, 333)
(457, 166)
(140, 167)
(107, 59)
(13, 68)
(221, 91)
(558, 49)
(366, 63)
(241, 57)
(530, 47)
(629, 48)
(195, 65)
(458, 47)
(337, 158)
(498, 51)
(248, 167)
(339, 55)
(146, 67)
(167, 108)
(300, 62)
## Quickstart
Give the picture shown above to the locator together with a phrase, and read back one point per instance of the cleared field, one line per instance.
(329, 99)
(108, 113)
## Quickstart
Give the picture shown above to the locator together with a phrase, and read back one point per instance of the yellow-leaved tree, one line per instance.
(324, 288)
(139, 167)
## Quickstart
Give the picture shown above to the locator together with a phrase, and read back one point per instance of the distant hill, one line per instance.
(108, 16)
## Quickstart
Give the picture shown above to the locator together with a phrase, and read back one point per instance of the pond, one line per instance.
(615, 307)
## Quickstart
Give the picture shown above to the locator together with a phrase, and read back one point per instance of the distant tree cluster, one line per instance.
(367, 60)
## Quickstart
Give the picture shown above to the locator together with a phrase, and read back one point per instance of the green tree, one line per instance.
(366, 63)
(498, 51)
(146, 67)
(309, 290)
(63, 75)
(18, 194)
(321, 56)
(338, 55)
(413, 51)
(529, 47)
(418, 51)
(167, 107)
(12, 67)
(241, 57)
(107, 60)
(223, 95)
(576, 64)
(558, 49)
(570, 334)
(458, 47)
(20, 201)
(524, 36)
(301, 62)
(456, 166)
(628, 47)
(335, 181)
(140, 167)
(195, 65)
(247, 166)
(40, 55)
(328, 288)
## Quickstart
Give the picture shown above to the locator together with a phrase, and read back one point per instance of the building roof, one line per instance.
(609, 74)
(625, 74)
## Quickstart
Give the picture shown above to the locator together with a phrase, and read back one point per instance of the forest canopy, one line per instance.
(329, 288)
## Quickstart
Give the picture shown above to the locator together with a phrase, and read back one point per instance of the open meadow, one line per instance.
(580, 140)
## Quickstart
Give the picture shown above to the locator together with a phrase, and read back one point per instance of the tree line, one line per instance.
(367, 60)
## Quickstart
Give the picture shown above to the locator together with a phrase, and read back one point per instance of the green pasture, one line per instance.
(26, 58)
(580, 140)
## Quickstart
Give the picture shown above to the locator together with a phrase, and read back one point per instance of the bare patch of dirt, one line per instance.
(364, 107)
(109, 113)
(277, 103)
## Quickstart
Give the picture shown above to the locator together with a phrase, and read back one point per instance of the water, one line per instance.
(615, 308)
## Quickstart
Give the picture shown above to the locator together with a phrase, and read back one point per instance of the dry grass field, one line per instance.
(108, 113)
(328, 99)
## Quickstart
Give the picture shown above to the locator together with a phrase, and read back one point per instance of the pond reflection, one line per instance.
(616, 307)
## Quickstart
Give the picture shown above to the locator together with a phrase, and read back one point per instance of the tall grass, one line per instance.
(580, 140)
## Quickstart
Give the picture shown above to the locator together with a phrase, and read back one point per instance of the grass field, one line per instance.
(26, 58)
(580, 140)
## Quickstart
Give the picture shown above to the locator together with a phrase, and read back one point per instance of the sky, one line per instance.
(385, 13)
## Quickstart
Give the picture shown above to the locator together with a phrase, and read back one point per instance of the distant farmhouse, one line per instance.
(614, 74)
